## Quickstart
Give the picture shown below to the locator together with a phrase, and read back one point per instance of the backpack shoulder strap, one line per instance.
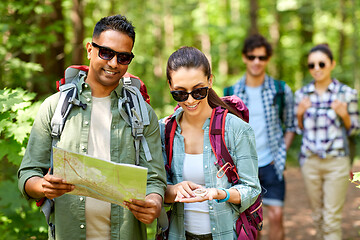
(132, 108)
(170, 128)
(228, 91)
(218, 145)
(68, 98)
(279, 98)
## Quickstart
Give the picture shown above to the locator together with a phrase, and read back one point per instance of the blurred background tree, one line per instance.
(40, 38)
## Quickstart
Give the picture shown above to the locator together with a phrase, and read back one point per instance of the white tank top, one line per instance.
(197, 218)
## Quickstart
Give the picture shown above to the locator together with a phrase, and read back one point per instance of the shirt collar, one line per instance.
(266, 84)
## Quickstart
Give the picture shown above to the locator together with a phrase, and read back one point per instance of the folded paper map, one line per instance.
(100, 179)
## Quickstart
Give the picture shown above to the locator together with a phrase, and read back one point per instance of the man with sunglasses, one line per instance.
(274, 132)
(99, 131)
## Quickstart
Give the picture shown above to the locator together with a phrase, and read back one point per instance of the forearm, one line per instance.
(300, 121)
(170, 194)
(33, 187)
(288, 138)
(235, 196)
(347, 121)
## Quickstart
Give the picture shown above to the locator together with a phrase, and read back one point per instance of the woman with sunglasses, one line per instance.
(209, 215)
(326, 114)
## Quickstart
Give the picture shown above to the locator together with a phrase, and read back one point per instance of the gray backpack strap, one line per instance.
(68, 98)
(132, 108)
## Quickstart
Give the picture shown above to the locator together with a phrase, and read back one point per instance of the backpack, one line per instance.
(131, 106)
(249, 221)
(279, 98)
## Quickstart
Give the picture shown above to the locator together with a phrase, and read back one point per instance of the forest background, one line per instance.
(40, 38)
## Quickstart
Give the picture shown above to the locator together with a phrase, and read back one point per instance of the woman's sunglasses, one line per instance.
(197, 94)
(123, 58)
(312, 65)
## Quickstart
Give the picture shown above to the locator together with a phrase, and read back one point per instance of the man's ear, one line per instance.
(89, 48)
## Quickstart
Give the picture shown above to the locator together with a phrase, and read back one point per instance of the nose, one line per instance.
(190, 99)
(113, 62)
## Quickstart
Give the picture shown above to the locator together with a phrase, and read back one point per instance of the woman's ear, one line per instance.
(333, 64)
(211, 80)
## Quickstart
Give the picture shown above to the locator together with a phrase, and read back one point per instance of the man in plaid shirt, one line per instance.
(272, 123)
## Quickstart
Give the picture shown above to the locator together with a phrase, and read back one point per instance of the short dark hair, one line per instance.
(117, 23)
(324, 48)
(256, 41)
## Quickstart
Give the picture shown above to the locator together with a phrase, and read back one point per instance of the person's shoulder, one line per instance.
(235, 123)
(51, 102)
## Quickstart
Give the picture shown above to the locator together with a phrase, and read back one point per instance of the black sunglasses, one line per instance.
(123, 58)
(197, 94)
(261, 58)
(312, 65)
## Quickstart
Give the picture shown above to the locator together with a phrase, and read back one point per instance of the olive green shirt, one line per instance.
(69, 214)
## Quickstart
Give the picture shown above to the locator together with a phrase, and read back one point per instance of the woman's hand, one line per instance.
(205, 194)
(174, 193)
(340, 109)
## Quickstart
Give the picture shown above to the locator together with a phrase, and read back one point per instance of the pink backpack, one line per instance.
(251, 220)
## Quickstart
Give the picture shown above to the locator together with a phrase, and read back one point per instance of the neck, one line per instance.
(98, 90)
(254, 81)
(321, 86)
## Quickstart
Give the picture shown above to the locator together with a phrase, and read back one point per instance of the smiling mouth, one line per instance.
(192, 106)
(110, 72)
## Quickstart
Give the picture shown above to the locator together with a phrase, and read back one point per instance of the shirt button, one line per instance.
(82, 226)
(81, 198)
(86, 86)
(205, 166)
(213, 229)
(114, 126)
(86, 123)
(206, 147)
(83, 148)
(211, 207)
(88, 99)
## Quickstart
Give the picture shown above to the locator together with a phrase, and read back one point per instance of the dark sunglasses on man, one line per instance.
(253, 57)
(197, 94)
(123, 58)
(312, 65)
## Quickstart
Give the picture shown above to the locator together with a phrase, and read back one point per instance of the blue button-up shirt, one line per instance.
(273, 123)
(240, 141)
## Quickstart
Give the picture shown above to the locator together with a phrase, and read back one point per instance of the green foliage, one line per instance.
(356, 179)
(18, 218)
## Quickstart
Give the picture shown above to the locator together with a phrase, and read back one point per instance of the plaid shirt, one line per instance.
(273, 122)
(323, 132)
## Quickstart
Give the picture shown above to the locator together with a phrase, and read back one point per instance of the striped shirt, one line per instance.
(324, 132)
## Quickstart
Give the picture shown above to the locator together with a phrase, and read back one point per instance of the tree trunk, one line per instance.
(77, 18)
(52, 61)
(254, 7)
(306, 31)
(342, 34)
(355, 47)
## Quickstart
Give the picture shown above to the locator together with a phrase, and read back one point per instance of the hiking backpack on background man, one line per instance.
(249, 221)
(131, 106)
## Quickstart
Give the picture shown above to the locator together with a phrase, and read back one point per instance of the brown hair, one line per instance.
(191, 57)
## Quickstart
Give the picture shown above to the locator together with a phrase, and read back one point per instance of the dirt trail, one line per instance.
(297, 219)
